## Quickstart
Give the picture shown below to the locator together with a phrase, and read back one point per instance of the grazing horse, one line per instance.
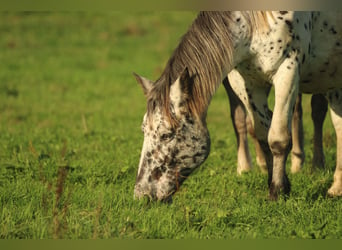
(295, 52)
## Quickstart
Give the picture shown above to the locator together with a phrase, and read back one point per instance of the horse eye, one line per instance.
(167, 136)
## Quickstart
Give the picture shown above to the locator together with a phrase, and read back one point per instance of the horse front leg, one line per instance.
(238, 115)
(286, 89)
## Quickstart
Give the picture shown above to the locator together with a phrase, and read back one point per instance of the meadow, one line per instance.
(70, 141)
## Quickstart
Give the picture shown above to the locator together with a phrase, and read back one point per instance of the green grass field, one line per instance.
(70, 141)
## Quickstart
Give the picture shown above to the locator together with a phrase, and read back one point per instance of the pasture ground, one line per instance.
(70, 140)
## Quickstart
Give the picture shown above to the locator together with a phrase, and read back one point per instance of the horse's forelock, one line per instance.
(159, 96)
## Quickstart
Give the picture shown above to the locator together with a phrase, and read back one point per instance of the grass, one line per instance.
(70, 140)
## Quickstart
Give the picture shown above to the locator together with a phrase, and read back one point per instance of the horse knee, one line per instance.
(279, 143)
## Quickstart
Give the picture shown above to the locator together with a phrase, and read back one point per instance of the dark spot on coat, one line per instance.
(184, 157)
(333, 31)
(309, 48)
(337, 95)
(253, 106)
(289, 24)
(194, 138)
(261, 114)
(332, 74)
(283, 12)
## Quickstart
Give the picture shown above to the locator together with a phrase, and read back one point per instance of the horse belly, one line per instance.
(322, 73)
(321, 82)
(322, 70)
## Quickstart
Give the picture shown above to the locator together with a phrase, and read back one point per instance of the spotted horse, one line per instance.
(295, 52)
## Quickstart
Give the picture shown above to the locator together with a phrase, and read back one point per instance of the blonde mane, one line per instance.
(206, 50)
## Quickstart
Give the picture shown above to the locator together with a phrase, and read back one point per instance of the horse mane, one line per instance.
(206, 50)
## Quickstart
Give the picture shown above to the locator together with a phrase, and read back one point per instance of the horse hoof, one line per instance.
(335, 191)
(263, 169)
(241, 170)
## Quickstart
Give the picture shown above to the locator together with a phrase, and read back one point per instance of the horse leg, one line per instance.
(255, 101)
(279, 136)
(260, 156)
(319, 107)
(238, 115)
(335, 101)
(297, 153)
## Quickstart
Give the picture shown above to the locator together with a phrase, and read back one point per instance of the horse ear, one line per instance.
(145, 83)
(181, 89)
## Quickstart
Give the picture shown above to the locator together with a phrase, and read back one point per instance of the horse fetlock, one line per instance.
(244, 162)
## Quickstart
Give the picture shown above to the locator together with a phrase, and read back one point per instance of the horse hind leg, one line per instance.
(319, 107)
(260, 156)
(238, 115)
(297, 153)
(335, 101)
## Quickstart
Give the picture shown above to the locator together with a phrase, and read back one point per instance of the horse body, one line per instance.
(314, 39)
(288, 50)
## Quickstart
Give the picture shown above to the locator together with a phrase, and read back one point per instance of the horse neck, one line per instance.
(210, 50)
